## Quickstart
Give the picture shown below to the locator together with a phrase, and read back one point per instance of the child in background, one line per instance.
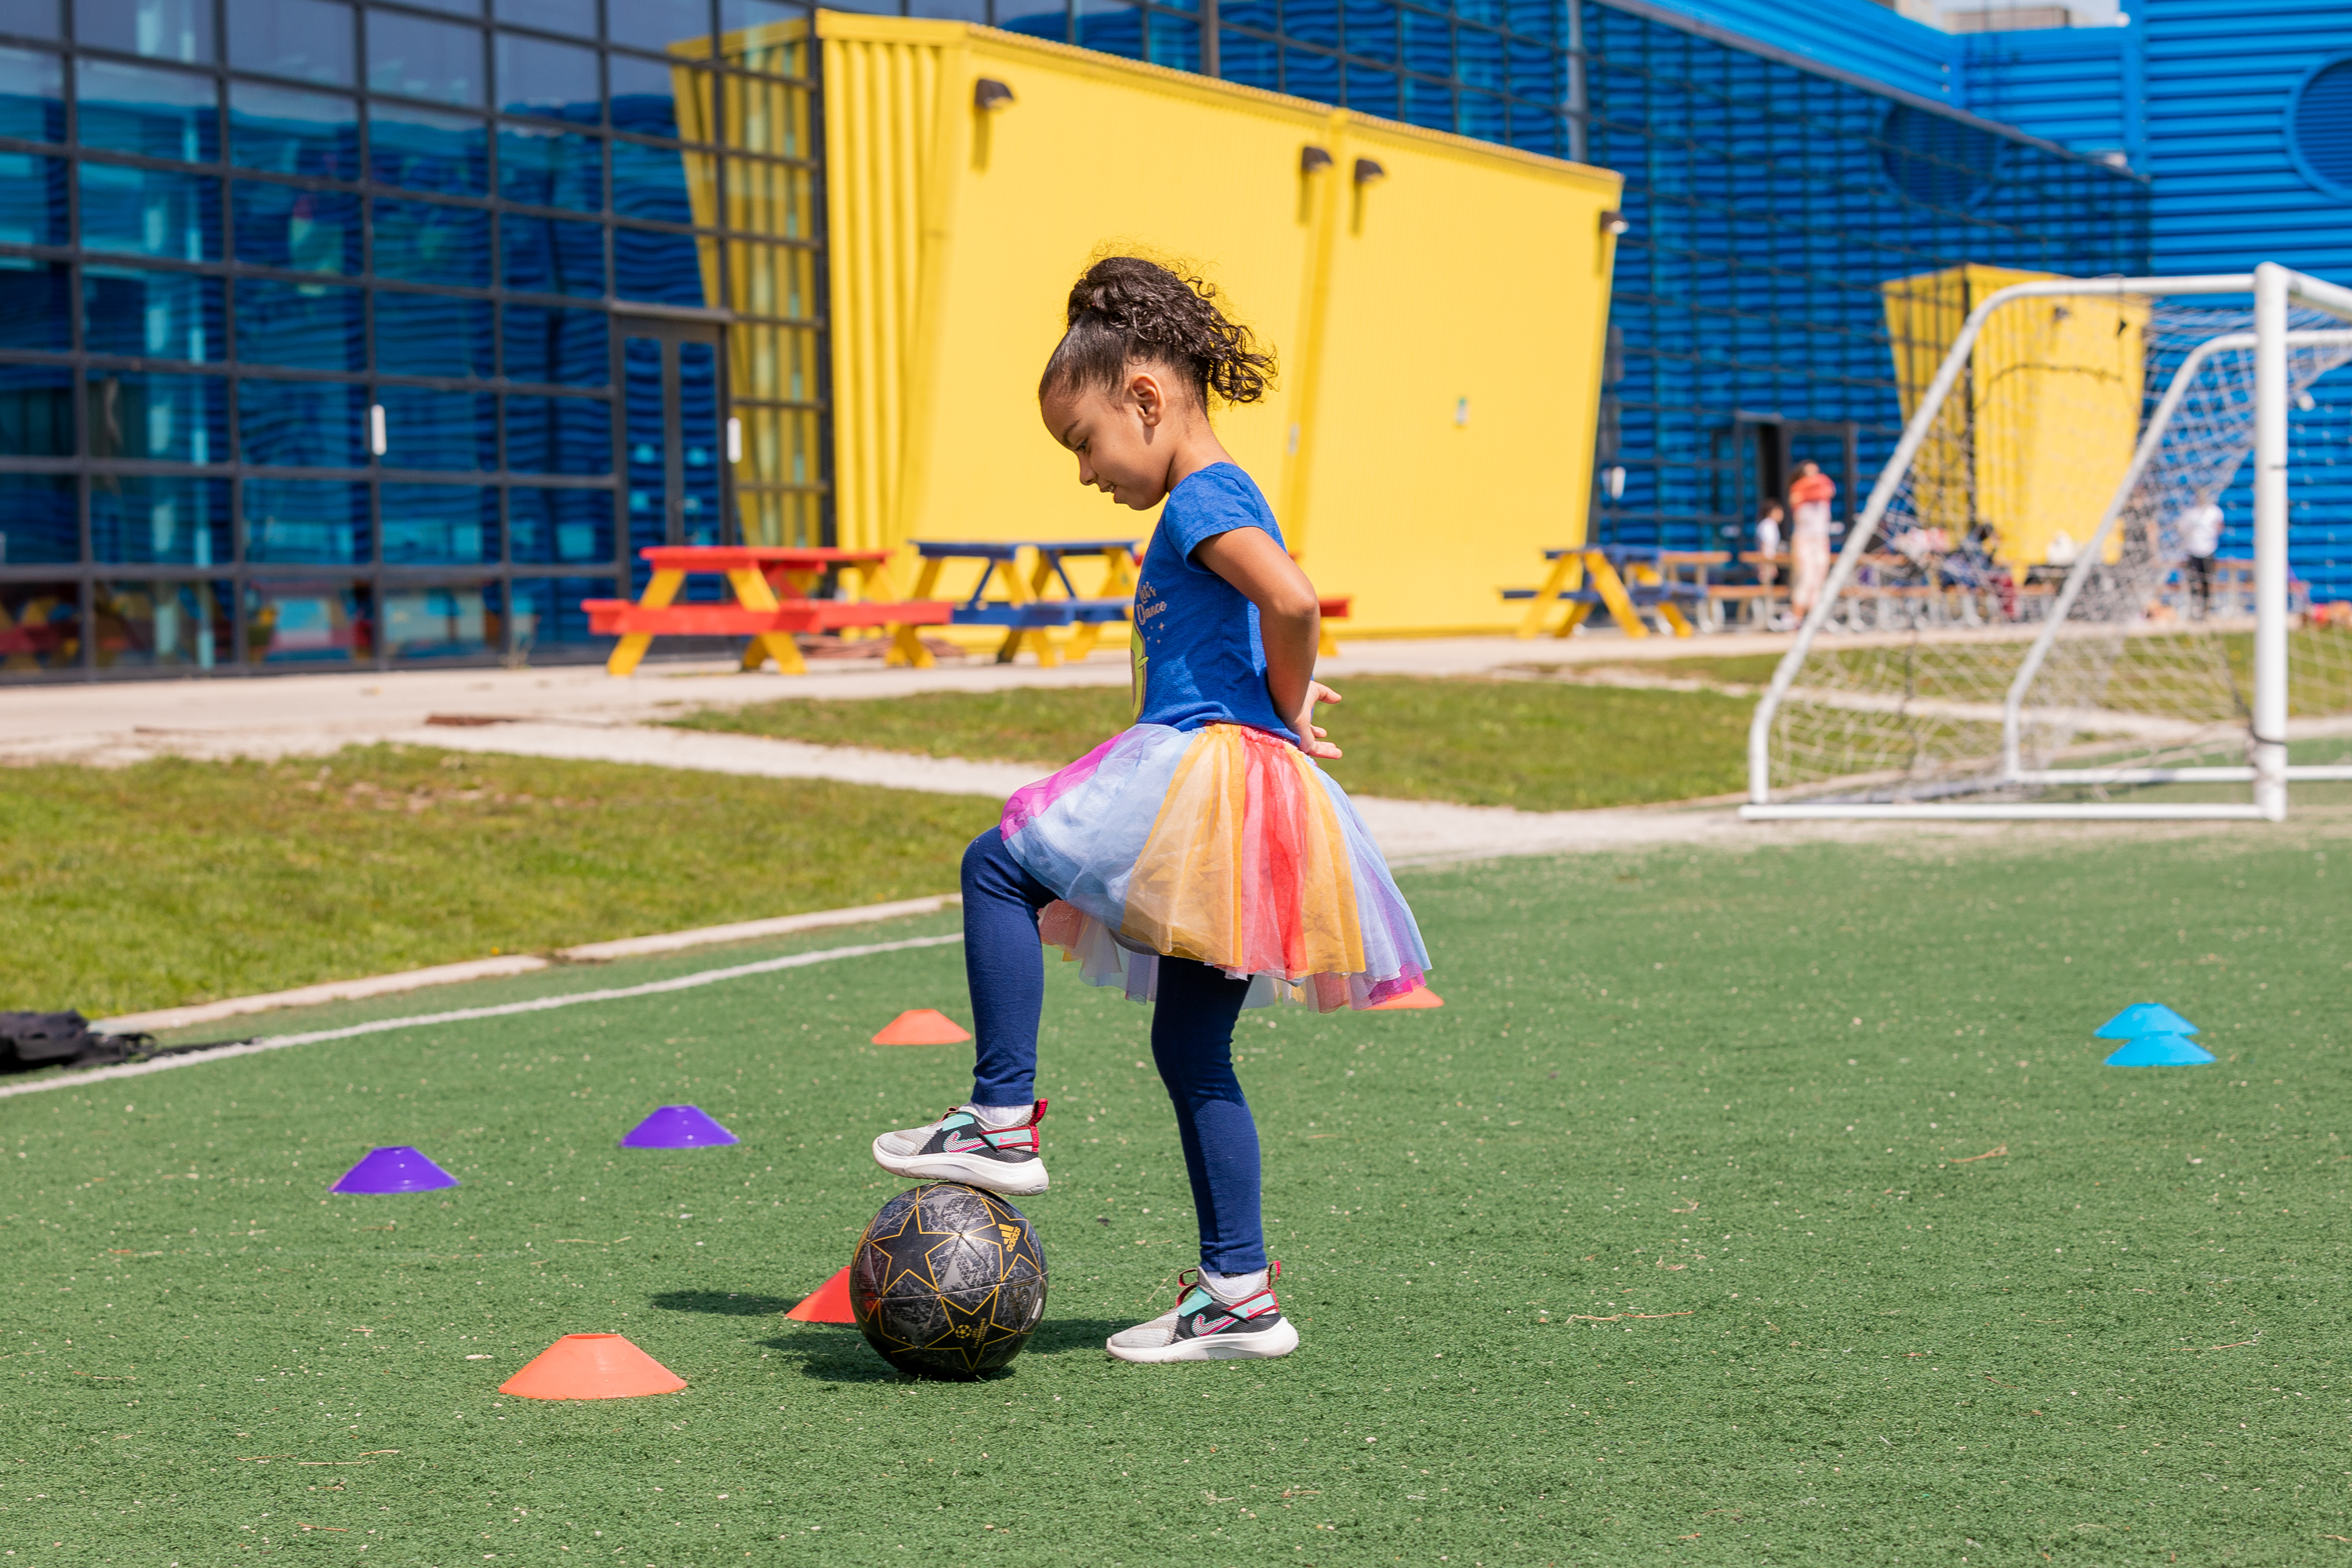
(1809, 503)
(1199, 859)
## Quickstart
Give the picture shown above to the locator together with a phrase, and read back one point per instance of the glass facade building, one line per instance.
(338, 334)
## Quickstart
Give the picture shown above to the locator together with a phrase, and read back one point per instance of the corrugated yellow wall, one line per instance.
(2053, 406)
(1468, 271)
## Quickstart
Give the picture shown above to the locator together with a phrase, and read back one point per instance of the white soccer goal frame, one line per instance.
(2274, 287)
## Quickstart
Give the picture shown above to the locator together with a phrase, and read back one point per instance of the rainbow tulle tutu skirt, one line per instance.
(1225, 844)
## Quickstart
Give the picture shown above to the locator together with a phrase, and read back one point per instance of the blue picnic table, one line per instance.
(1029, 608)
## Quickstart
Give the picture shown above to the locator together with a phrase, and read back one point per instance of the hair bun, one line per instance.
(1124, 309)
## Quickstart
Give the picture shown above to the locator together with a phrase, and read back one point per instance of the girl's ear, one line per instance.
(1149, 398)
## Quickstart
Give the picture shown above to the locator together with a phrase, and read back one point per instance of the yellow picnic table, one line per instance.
(1656, 586)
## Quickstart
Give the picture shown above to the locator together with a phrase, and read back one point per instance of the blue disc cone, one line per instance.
(678, 1126)
(397, 1168)
(2144, 1018)
(2161, 1051)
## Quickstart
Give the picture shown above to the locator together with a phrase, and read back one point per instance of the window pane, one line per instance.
(288, 131)
(32, 199)
(152, 315)
(38, 18)
(161, 418)
(146, 518)
(1482, 117)
(655, 98)
(549, 256)
(1175, 43)
(303, 231)
(774, 363)
(36, 413)
(168, 626)
(650, 181)
(1035, 17)
(771, 279)
(765, 116)
(1247, 60)
(308, 623)
(36, 301)
(150, 212)
(698, 437)
(663, 267)
(1373, 91)
(301, 424)
(576, 18)
(769, 36)
(1306, 75)
(44, 619)
(442, 622)
(551, 169)
(160, 30)
(537, 76)
(1428, 105)
(1371, 28)
(658, 23)
(298, 324)
(305, 520)
(417, 58)
(569, 348)
(152, 113)
(310, 40)
(32, 96)
(37, 513)
(571, 527)
(547, 611)
(437, 525)
(447, 154)
(949, 10)
(1312, 21)
(428, 429)
(425, 242)
(1428, 44)
(1111, 27)
(559, 436)
(431, 334)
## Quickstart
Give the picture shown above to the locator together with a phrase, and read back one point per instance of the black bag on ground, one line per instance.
(62, 1040)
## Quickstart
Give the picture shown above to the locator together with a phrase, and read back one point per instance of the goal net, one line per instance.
(2054, 603)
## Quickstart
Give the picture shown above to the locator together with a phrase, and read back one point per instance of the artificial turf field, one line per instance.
(1751, 1208)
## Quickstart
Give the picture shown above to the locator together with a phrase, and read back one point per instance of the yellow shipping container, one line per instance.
(1439, 306)
(2035, 440)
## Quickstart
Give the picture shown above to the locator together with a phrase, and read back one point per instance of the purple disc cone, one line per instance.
(395, 1169)
(678, 1126)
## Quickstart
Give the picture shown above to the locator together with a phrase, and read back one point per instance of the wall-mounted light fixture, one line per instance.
(989, 94)
(1367, 172)
(1613, 482)
(1313, 160)
(379, 437)
(1613, 222)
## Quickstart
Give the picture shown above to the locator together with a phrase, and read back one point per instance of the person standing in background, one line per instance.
(2200, 536)
(1808, 505)
(1767, 545)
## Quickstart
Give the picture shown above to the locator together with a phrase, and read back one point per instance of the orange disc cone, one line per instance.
(591, 1366)
(922, 1027)
(828, 1303)
(1420, 996)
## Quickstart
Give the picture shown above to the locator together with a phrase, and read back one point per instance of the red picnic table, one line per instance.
(772, 586)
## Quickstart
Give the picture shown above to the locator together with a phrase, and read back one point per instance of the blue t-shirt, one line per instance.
(1198, 655)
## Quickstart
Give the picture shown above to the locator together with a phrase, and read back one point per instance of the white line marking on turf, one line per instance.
(464, 1015)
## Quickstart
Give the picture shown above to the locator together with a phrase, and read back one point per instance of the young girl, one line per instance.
(1199, 859)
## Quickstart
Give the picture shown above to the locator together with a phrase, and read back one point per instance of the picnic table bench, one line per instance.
(1029, 611)
(1651, 581)
(772, 588)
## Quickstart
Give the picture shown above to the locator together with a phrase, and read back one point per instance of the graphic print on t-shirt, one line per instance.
(1203, 660)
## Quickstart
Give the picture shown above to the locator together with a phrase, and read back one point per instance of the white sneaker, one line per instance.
(959, 1147)
(1205, 1327)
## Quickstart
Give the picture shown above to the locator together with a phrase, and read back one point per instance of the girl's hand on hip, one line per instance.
(1310, 734)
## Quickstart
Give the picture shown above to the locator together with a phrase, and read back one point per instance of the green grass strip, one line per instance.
(125, 889)
(1533, 745)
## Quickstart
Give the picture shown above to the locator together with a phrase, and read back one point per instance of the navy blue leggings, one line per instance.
(1191, 1042)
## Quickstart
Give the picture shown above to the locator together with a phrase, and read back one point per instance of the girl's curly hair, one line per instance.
(1126, 310)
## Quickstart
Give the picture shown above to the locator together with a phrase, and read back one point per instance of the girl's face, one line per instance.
(1126, 439)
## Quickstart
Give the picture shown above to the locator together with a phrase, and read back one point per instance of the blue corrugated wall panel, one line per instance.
(2067, 85)
(2219, 77)
(1851, 36)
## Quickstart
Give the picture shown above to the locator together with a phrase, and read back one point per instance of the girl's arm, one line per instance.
(1290, 620)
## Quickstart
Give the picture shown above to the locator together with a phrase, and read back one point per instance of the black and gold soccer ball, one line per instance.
(948, 1281)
